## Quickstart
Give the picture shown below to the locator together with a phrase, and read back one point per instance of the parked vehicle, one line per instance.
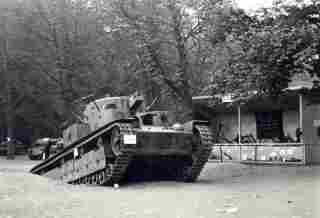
(44, 147)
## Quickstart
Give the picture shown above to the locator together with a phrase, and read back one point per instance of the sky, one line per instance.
(253, 4)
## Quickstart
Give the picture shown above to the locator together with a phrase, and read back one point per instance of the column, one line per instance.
(239, 130)
(301, 127)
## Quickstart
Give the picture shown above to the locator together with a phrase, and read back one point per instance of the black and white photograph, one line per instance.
(159, 108)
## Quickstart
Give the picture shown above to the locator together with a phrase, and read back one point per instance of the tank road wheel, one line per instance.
(87, 180)
(103, 177)
(99, 181)
(94, 179)
(115, 141)
(100, 178)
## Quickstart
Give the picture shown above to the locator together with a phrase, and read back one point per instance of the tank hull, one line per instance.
(118, 152)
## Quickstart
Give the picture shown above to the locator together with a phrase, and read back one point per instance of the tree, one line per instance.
(5, 19)
(280, 42)
(55, 57)
(173, 43)
(62, 49)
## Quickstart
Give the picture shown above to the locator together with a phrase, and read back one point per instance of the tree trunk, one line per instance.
(8, 88)
(10, 121)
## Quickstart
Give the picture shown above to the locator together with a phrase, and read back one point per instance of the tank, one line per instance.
(119, 141)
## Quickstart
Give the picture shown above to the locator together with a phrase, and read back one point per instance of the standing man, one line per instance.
(47, 149)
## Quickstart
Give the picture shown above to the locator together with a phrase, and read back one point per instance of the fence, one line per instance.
(263, 153)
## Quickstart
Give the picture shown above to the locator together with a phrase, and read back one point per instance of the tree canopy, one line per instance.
(55, 51)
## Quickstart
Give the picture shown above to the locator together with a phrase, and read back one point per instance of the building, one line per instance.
(283, 129)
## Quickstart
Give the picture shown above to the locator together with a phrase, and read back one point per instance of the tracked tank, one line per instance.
(118, 141)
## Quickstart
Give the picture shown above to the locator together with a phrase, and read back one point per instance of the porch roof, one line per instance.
(288, 100)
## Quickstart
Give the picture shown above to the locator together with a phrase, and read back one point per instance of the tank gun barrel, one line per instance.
(155, 100)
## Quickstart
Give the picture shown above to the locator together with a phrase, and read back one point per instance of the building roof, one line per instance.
(252, 100)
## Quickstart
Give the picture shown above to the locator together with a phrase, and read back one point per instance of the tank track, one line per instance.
(122, 161)
(113, 173)
(200, 158)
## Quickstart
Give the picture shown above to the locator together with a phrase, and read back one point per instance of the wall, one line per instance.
(311, 113)
(229, 123)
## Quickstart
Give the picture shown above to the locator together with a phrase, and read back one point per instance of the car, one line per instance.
(35, 152)
(42, 148)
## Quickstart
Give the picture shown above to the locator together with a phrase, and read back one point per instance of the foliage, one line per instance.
(281, 42)
(59, 51)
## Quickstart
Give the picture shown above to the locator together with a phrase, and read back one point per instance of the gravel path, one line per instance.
(223, 190)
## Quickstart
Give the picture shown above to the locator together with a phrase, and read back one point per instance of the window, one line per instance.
(269, 125)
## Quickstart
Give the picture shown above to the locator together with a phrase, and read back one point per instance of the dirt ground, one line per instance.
(223, 190)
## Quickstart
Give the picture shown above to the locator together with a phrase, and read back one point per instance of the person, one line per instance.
(47, 149)
(298, 134)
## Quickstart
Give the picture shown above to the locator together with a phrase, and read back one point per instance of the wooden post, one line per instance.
(239, 130)
(255, 152)
(301, 114)
(305, 152)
